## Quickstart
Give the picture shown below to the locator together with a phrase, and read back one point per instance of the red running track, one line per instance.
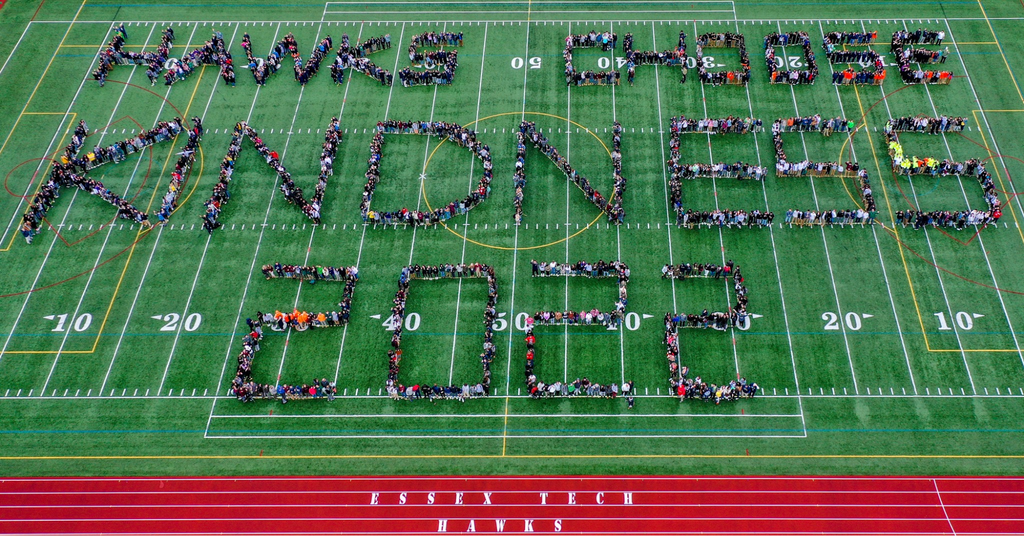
(493, 504)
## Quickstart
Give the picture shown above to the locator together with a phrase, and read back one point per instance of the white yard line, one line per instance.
(145, 272)
(721, 237)
(110, 227)
(568, 194)
(472, 166)
(824, 240)
(778, 273)
(981, 241)
(618, 238)
(669, 210)
(874, 234)
(252, 266)
(934, 263)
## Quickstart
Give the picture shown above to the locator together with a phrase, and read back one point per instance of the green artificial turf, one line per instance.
(857, 374)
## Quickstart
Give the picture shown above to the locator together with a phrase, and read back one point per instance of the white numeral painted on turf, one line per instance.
(964, 320)
(192, 321)
(80, 324)
(603, 62)
(412, 322)
(794, 62)
(632, 321)
(853, 321)
(518, 62)
(500, 324)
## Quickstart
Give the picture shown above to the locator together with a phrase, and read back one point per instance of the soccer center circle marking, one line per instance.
(423, 188)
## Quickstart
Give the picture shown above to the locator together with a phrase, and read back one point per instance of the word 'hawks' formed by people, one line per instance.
(413, 391)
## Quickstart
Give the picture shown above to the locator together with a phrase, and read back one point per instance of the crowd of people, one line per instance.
(212, 52)
(243, 386)
(573, 77)
(292, 193)
(453, 132)
(813, 123)
(836, 52)
(528, 133)
(913, 165)
(262, 69)
(354, 57)
(692, 219)
(116, 54)
(682, 386)
(739, 170)
(187, 157)
(792, 76)
(71, 169)
(635, 58)
(395, 388)
(440, 65)
(723, 40)
(807, 168)
(599, 269)
(303, 320)
(304, 72)
(902, 48)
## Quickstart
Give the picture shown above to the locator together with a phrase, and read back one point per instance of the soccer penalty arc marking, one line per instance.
(63, 173)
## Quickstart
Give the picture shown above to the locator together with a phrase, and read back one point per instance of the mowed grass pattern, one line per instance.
(878, 348)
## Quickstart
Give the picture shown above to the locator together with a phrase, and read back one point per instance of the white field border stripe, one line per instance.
(533, 478)
(874, 20)
(511, 416)
(874, 232)
(938, 274)
(568, 218)
(472, 168)
(778, 273)
(156, 243)
(42, 265)
(255, 255)
(511, 436)
(110, 227)
(439, 505)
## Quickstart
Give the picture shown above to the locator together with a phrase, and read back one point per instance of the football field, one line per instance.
(884, 348)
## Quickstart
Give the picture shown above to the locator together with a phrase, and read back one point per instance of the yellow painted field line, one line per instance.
(143, 231)
(41, 78)
(888, 203)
